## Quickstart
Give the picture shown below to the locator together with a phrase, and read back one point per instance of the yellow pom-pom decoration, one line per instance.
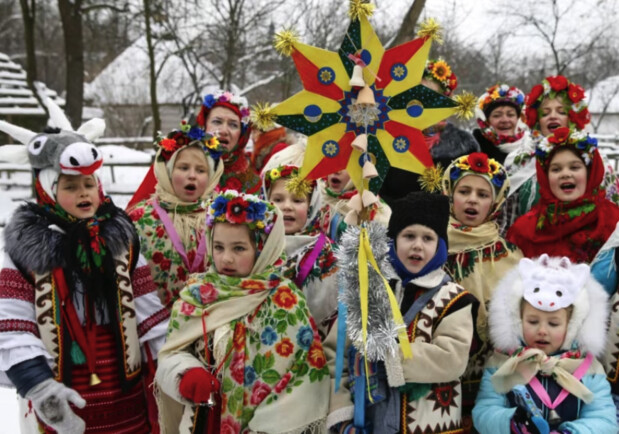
(466, 105)
(284, 41)
(360, 8)
(262, 116)
(298, 186)
(430, 179)
(430, 28)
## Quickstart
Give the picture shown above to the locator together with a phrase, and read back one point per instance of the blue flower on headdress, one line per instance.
(455, 173)
(219, 205)
(195, 133)
(592, 141)
(498, 179)
(255, 211)
(520, 98)
(209, 101)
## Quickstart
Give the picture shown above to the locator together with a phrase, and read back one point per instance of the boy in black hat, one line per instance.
(422, 393)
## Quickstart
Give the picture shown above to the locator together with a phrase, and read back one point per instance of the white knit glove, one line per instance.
(51, 402)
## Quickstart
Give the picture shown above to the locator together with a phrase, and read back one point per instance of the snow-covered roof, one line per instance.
(605, 92)
(126, 79)
(16, 98)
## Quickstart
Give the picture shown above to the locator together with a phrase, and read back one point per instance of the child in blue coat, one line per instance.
(547, 321)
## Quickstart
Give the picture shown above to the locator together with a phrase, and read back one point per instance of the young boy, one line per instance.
(409, 395)
(81, 317)
(548, 325)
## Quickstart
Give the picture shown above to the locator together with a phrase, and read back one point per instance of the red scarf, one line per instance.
(576, 229)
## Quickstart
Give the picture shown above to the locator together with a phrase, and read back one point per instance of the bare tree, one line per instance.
(406, 31)
(28, 9)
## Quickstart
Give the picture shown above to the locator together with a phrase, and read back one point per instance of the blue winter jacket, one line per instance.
(493, 411)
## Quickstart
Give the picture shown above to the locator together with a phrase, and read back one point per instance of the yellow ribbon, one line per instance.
(365, 255)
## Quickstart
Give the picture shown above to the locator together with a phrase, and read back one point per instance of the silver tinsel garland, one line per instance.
(382, 330)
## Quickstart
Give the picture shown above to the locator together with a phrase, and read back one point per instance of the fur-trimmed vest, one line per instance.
(453, 143)
(31, 319)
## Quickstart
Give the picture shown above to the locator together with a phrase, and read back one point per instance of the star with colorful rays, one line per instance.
(326, 110)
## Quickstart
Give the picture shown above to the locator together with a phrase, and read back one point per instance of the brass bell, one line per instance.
(366, 96)
(357, 77)
(360, 143)
(94, 379)
(369, 170)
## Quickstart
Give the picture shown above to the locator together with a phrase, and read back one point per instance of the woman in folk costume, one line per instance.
(573, 217)
(498, 117)
(310, 262)
(478, 255)
(444, 140)
(242, 352)
(227, 116)
(336, 190)
(170, 223)
(547, 325)
(555, 103)
(421, 394)
(82, 320)
(500, 133)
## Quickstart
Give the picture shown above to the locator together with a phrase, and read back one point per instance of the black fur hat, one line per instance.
(419, 207)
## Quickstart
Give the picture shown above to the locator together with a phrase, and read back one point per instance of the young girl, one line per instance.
(81, 318)
(422, 393)
(170, 223)
(554, 103)
(310, 262)
(227, 116)
(547, 324)
(573, 218)
(242, 352)
(478, 255)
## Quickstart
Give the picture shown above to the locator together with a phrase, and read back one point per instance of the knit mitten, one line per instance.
(51, 399)
(197, 384)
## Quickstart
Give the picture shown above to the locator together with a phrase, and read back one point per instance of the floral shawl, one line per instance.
(265, 341)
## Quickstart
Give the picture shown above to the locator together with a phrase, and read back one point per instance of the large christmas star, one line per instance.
(326, 112)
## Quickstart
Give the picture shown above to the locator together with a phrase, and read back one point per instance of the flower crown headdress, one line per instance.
(241, 209)
(479, 163)
(188, 135)
(501, 93)
(236, 103)
(297, 186)
(440, 72)
(572, 95)
(579, 141)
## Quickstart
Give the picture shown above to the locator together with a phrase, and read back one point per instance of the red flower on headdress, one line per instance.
(575, 92)
(531, 115)
(237, 210)
(559, 135)
(479, 162)
(581, 118)
(557, 82)
(168, 144)
(535, 93)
